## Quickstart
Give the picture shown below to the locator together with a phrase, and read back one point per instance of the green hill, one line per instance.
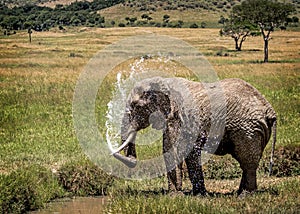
(180, 13)
(201, 13)
(108, 13)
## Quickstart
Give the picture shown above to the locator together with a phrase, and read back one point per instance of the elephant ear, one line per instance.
(162, 101)
(174, 111)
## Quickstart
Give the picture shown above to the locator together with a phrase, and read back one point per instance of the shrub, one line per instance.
(203, 24)
(158, 24)
(121, 25)
(286, 161)
(84, 179)
(194, 25)
(28, 188)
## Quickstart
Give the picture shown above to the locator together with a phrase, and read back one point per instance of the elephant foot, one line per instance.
(199, 192)
(248, 183)
(176, 193)
(245, 191)
(244, 194)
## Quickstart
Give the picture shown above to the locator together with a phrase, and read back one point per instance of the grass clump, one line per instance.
(28, 188)
(84, 179)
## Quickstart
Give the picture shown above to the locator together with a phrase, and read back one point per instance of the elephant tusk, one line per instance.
(128, 161)
(130, 138)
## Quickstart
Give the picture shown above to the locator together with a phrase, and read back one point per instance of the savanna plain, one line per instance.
(41, 159)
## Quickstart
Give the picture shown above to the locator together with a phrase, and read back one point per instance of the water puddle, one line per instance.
(82, 205)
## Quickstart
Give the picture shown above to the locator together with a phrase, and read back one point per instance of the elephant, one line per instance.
(185, 112)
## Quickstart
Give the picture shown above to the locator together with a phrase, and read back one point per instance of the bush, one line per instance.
(286, 161)
(84, 179)
(28, 189)
(158, 24)
(194, 25)
(121, 25)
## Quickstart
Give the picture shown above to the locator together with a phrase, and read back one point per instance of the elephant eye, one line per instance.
(150, 95)
(146, 94)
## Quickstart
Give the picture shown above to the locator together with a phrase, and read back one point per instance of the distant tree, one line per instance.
(266, 14)
(295, 19)
(132, 20)
(222, 20)
(194, 25)
(166, 18)
(179, 23)
(237, 29)
(203, 24)
(29, 34)
(144, 16)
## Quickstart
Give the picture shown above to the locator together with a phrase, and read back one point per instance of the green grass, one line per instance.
(142, 197)
(37, 83)
(28, 188)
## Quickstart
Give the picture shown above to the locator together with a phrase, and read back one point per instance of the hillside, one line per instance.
(53, 3)
(189, 13)
(146, 13)
(180, 13)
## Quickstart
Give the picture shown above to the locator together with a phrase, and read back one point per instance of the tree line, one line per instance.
(43, 18)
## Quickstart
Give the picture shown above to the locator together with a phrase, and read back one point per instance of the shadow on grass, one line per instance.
(243, 50)
(149, 193)
(273, 61)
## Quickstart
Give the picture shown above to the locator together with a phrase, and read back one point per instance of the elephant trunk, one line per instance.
(129, 160)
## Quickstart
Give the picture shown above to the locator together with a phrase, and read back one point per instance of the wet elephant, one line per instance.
(182, 109)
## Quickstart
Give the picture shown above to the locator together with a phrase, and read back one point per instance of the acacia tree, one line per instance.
(237, 29)
(266, 14)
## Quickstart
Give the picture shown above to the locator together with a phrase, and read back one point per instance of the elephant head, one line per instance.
(148, 104)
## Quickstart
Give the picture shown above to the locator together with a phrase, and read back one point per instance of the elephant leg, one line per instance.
(175, 179)
(248, 154)
(248, 181)
(174, 173)
(173, 165)
(193, 162)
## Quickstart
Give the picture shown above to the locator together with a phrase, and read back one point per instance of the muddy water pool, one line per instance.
(82, 205)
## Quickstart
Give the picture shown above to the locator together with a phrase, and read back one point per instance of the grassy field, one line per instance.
(37, 82)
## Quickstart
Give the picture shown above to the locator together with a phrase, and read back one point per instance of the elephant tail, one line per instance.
(273, 147)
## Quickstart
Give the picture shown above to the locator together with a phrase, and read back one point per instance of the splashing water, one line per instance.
(116, 106)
